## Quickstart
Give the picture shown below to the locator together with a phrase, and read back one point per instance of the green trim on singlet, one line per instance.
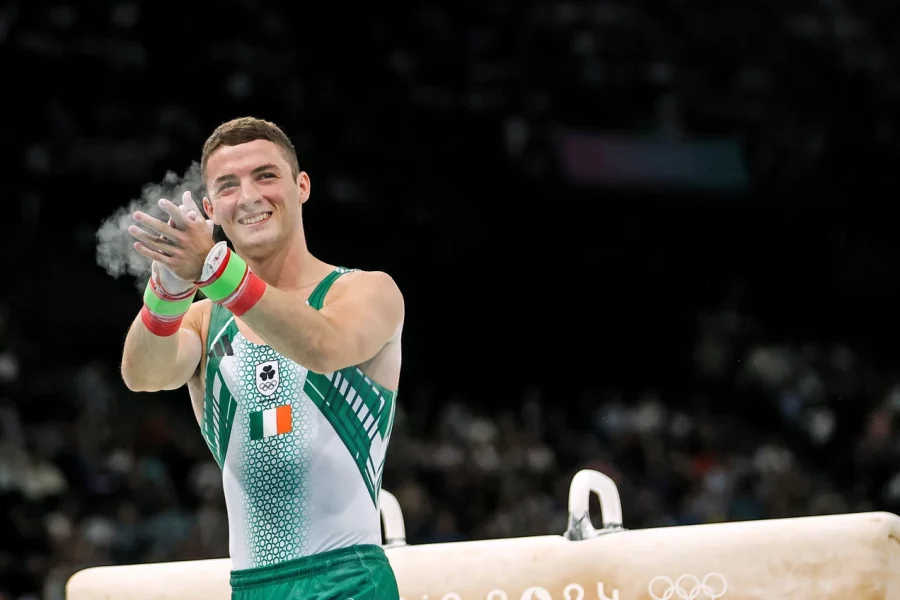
(219, 405)
(317, 297)
(358, 408)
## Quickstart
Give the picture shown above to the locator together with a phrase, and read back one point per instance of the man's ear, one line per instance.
(208, 207)
(304, 186)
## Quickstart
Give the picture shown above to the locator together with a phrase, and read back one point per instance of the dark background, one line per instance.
(716, 331)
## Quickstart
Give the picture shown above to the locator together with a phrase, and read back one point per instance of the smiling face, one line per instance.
(254, 196)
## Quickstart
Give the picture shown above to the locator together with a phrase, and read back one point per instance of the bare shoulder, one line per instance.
(371, 297)
(366, 286)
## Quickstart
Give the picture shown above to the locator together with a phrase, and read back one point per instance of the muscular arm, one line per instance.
(151, 363)
(362, 315)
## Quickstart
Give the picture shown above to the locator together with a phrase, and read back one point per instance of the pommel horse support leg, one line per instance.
(842, 557)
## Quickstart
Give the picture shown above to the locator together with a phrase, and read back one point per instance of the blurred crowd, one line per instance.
(805, 86)
(407, 109)
(94, 474)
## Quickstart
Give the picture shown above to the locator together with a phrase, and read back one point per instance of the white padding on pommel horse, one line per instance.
(844, 557)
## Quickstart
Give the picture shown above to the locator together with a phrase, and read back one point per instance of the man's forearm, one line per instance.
(295, 330)
(350, 330)
(148, 360)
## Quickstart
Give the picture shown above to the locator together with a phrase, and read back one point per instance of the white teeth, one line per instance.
(256, 219)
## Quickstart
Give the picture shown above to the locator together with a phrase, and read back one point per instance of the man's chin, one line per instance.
(254, 245)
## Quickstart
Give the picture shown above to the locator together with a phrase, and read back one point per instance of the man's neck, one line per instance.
(290, 267)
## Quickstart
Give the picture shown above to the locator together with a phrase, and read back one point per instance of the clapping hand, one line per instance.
(178, 248)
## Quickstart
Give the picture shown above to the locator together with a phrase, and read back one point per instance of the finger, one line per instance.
(175, 213)
(160, 244)
(152, 254)
(187, 201)
(170, 240)
(153, 224)
(190, 213)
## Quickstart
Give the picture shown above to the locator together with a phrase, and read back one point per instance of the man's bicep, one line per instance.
(367, 315)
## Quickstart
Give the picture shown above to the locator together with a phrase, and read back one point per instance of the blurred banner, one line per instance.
(646, 162)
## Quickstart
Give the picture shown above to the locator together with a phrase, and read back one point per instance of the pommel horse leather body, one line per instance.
(843, 557)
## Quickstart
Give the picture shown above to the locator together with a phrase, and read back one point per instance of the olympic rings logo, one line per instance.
(688, 587)
(265, 386)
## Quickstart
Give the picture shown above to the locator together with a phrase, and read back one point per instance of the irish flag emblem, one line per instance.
(273, 421)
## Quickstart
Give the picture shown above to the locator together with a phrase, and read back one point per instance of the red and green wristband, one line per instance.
(227, 280)
(163, 313)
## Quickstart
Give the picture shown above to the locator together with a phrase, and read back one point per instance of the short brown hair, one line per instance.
(249, 129)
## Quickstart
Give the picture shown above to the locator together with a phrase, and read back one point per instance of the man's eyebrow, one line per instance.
(230, 176)
(266, 167)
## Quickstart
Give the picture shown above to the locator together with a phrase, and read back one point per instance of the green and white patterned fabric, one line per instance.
(302, 453)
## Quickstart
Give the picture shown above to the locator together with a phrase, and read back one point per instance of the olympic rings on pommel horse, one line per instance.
(840, 557)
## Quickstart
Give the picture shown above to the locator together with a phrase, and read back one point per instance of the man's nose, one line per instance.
(249, 196)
